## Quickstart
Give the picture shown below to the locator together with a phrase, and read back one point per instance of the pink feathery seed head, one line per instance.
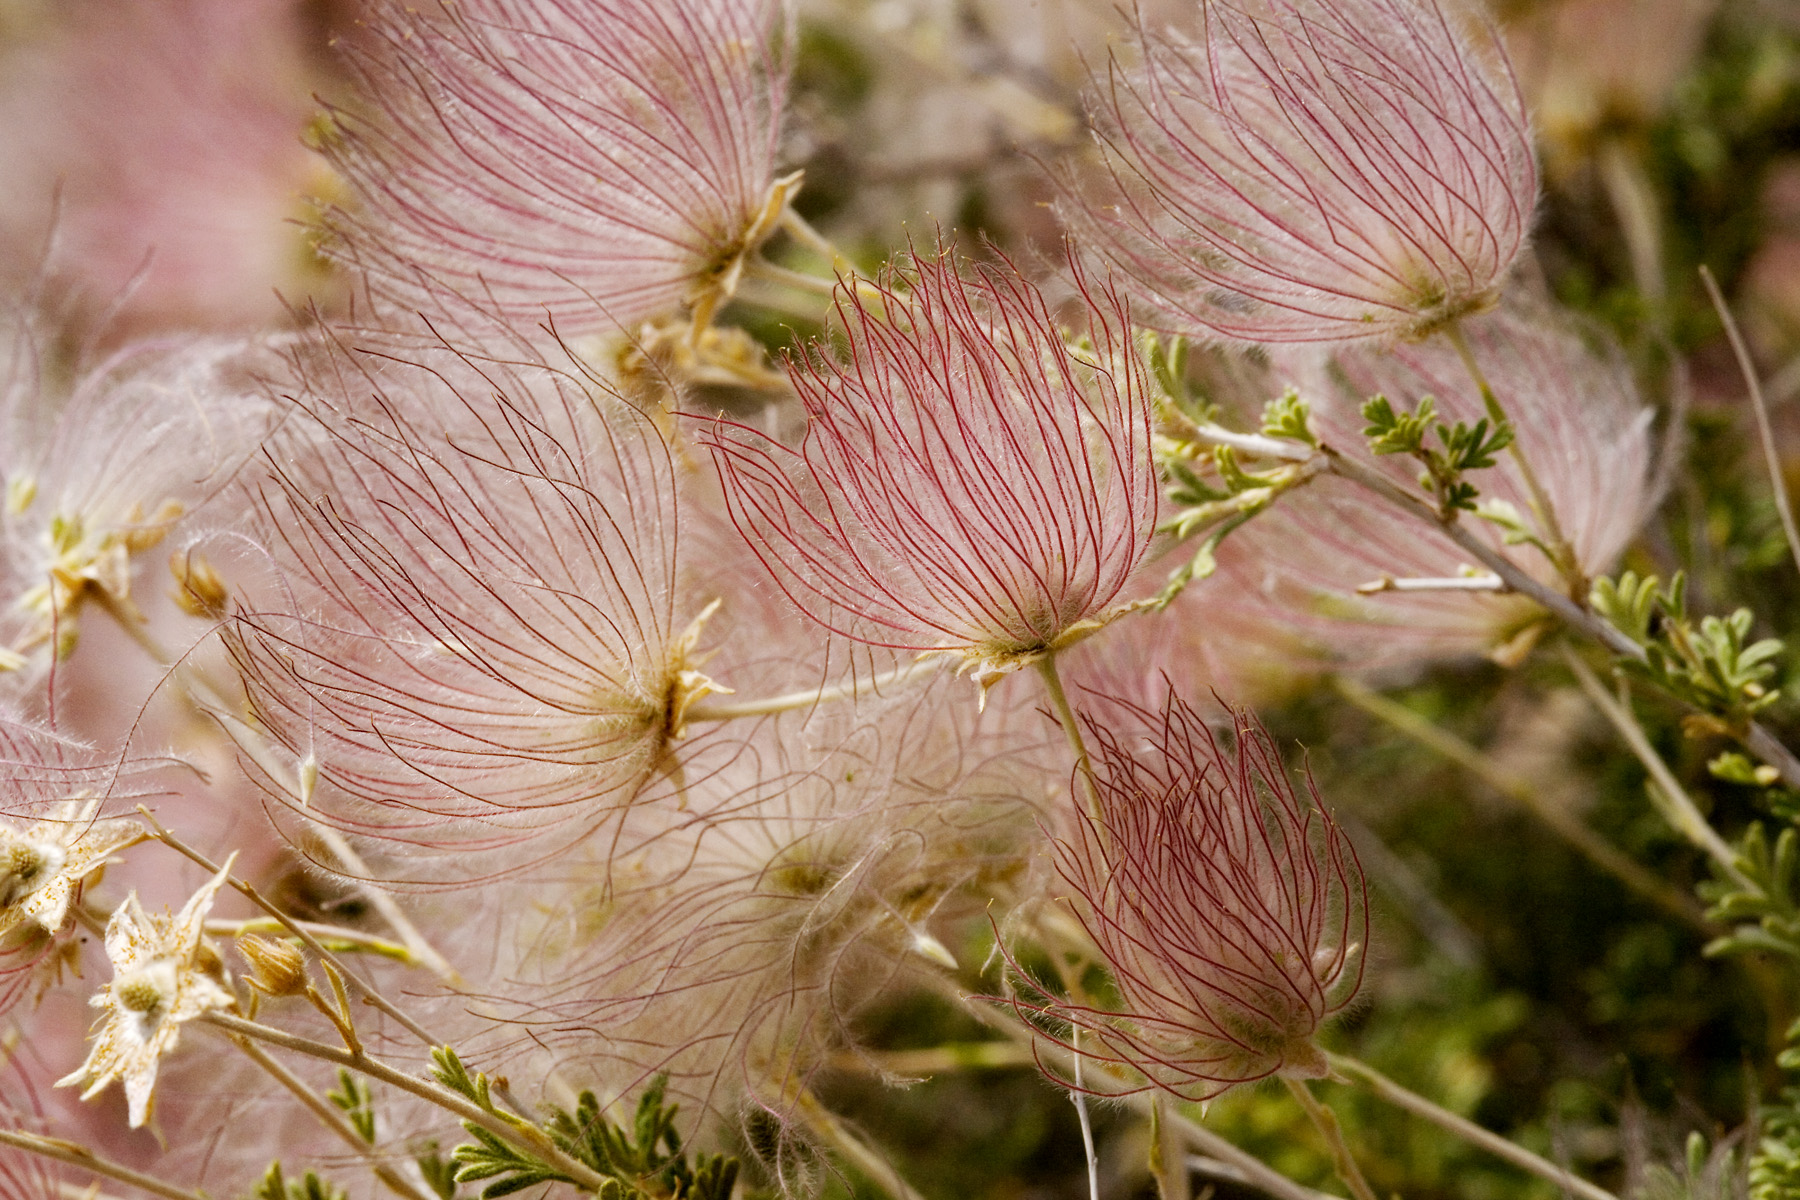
(969, 482)
(1296, 568)
(1311, 170)
(478, 649)
(1229, 908)
(586, 166)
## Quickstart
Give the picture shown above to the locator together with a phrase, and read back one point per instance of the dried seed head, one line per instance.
(1311, 170)
(969, 482)
(1229, 909)
(584, 166)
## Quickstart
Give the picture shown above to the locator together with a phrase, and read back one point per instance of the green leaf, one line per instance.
(1392, 432)
(1287, 417)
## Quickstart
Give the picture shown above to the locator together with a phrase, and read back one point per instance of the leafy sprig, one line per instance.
(356, 1102)
(643, 1161)
(1461, 447)
(1712, 665)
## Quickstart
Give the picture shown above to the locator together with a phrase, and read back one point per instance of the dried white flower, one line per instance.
(164, 975)
(42, 864)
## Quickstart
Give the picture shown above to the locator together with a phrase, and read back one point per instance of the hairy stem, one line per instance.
(1326, 1122)
(1465, 1129)
(77, 1155)
(1079, 1095)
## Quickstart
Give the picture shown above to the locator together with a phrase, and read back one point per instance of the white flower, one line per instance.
(164, 975)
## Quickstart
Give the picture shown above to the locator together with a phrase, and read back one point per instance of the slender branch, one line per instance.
(1596, 849)
(1326, 1122)
(519, 1134)
(870, 1161)
(1167, 1162)
(386, 905)
(331, 1118)
(1783, 503)
(793, 701)
(1577, 616)
(1633, 201)
(77, 1155)
(366, 991)
(802, 231)
(1463, 1128)
(1678, 807)
(1251, 443)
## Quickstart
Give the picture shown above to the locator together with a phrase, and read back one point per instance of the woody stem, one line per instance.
(1326, 1122)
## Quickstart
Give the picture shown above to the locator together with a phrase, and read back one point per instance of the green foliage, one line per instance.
(1775, 1167)
(1760, 901)
(1464, 447)
(356, 1102)
(645, 1161)
(276, 1186)
(1713, 666)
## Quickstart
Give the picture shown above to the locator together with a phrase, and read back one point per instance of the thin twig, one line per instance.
(331, 1118)
(77, 1155)
(1783, 503)
(1596, 849)
(1079, 1095)
(1450, 583)
(1463, 1128)
(336, 933)
(1679, 808)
